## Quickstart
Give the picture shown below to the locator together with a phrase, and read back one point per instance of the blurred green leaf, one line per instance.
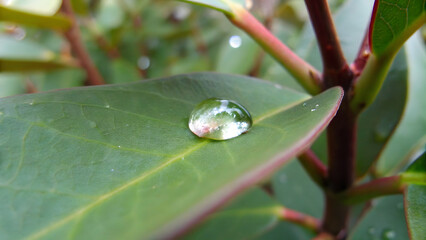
(410, 135)
(38, 7)
(119, 155)
(11, 84)
(286, 230)
(415, 207)
(393, 22)
(380, 119)
(25, 55)
(250, 215)
(221, 5)
(295, 190)
(110, 14)
(58, 79)
(385, 220)
(57, 22)
(124, 71)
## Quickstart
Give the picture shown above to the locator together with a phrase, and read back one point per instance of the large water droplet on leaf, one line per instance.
(219, 119)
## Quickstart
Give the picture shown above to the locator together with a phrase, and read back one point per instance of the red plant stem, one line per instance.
(361, 59)
(375, 188)
(301, 219)
(336, 70)
(302, 71)
(73, 37)
(315, 168)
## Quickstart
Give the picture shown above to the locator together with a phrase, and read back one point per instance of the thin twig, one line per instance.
(302, 71)
(301, 219)
(376, 188)
(73, 37)
(315, 168)
(361, 59)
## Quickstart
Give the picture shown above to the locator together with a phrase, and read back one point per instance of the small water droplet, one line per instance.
(371, 230)
(119, 146)
(92, 124)
(219, 119)
(388, 234)
(235, 41)
(144, 62)
(283, 178)
(183, 158)
(32, 102)
(313, 109)
(107, 106)
(316, 105)
(112, 169)
(304, 104)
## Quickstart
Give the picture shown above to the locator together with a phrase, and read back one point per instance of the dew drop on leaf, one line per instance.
(388, 234)
(219, 119)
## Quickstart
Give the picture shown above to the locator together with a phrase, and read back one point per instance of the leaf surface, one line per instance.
(224, 6)
(250, 215)
(385, 220)
(415, 207)
(120, 162)
(57, 22)
(393, 22)
(25, 55)
(409, 138)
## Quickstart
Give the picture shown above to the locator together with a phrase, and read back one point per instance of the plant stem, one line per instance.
(73, 37)
(314, 167)
(302, 71)
(336, 70)
(361, 59)
(375, 188)
(301, 219)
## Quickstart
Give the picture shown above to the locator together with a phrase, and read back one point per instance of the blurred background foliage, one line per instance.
(130, 40)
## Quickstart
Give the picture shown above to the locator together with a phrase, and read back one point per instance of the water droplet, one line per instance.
(304, 104)
(107, 106)
(371, 230)
(388, 234)
(92, 124)
(313, 109)
(119, 146)
(235, 41)
(181, 12)
(144, 63)
(316, 105)
(112, 169)
(219, 119)
(32, 102)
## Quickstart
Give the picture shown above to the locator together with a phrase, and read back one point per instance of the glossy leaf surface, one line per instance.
(102, 162)
(40, 7)
(25, 55)
(410, 135)
(57, 22)
(221, 5)
(385, 220)
(393, 22)
(250, 215)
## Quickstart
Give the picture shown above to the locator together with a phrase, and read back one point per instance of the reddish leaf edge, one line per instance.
(189, 220)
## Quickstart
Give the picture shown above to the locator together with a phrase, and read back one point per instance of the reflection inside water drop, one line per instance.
(219, 119)
(235, 41)
(144, 63)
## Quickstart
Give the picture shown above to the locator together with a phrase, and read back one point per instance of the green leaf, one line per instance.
(415, 207)
(63, 78)
(416, 173)
(40, 7)
(104, 162)
(11, 84)
(393, 22)
(225, 6)
(385, 220)
(25, 55)
(410, 135)
(250, 215)
(295, 190)
(57, 22)
(379, 120)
